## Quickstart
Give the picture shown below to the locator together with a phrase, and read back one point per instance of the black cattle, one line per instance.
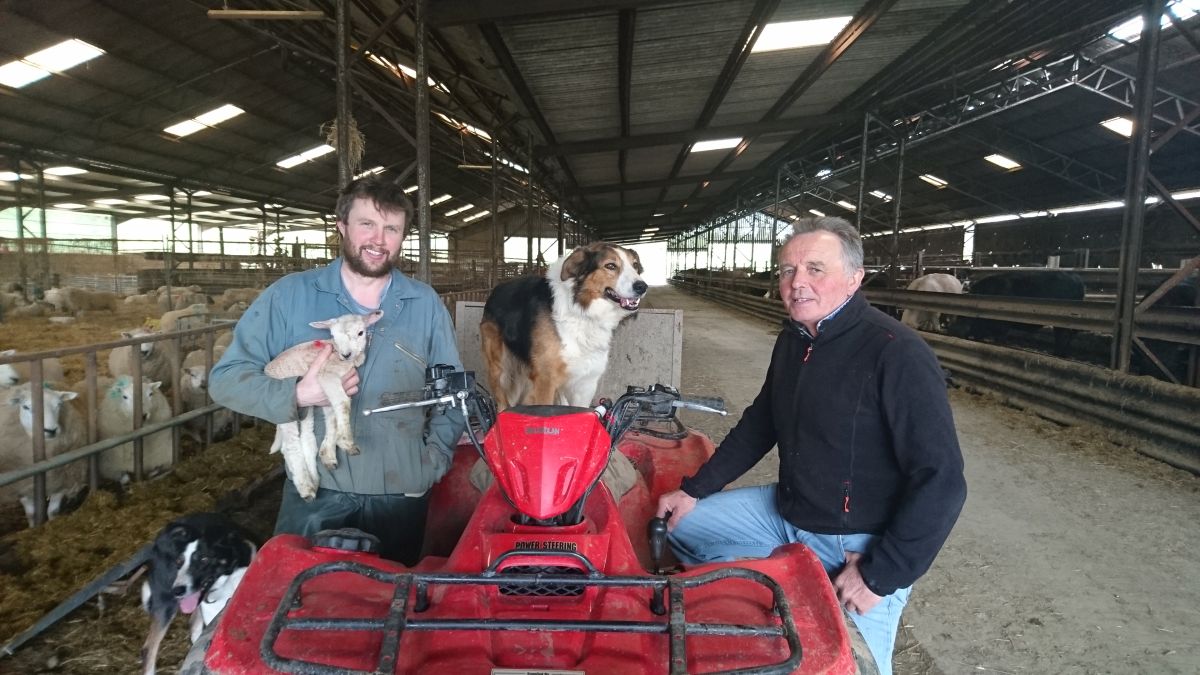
(1174, 356)
(1021, 284)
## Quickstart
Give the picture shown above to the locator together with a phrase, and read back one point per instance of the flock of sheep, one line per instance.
(64, 415)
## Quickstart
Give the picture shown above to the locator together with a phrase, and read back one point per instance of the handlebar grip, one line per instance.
(702, 403)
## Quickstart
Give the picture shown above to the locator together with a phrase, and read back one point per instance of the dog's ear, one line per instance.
(633, 255)
(581, 261)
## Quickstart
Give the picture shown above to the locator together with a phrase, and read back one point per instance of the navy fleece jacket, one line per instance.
(866, 440)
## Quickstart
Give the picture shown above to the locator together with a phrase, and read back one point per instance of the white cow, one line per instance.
(935, 283)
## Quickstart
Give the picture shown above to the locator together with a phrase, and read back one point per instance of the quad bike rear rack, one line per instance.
(400, 616)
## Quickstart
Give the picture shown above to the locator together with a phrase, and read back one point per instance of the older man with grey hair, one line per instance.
(870, 471)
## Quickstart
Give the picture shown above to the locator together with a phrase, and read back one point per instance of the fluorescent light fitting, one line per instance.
(933, 180)
(151, 197)
(650, 230)
(795, 34)
(70, 205)
(64, 171)
(439, 200)
(846, 205)
(461, 209)
(1120, 125)
(881, 195)
(658, 215)
(475, 216)
(824, 172)
(997, 219)
(111, 202)
(1003, 162)
(410, 189)
(815, 212)
(718, 144)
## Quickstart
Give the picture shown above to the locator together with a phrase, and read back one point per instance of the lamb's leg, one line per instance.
(288, 438)
(308, 447)
(340, 428)
(328, 453)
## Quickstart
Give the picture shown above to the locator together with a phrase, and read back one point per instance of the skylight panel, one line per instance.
(70, 206)
(933, 180)
(461, 209)
(819, 214)
(824, 172)
(439, 200)
(880, 194)
(650, 230)
(209, 119)
(1120, 125)
(846, 205)
(64, 171)
(42, 64)
(475, 216)
(151, 197)
(110, 201)
(795, 34)
(9, 176)
(718, 144)
(306, 156)
(17, 74)
(1131, 30)
(368, 172)
(1003, 162)
(410, 189)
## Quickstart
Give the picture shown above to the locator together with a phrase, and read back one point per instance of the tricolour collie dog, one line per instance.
(197, 562)
(546, 339)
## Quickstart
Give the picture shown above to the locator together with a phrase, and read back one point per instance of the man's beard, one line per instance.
(359, 266)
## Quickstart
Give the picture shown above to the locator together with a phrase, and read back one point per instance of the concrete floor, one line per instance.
(1074, 553)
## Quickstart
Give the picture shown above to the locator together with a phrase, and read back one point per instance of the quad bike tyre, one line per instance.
(863, 659)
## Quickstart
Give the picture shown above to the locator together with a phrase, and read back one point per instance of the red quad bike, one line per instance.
(545, 576)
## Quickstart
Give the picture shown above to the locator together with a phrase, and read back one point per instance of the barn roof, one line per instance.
(603, 99)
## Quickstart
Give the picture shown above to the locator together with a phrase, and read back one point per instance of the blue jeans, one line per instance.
(745, 523)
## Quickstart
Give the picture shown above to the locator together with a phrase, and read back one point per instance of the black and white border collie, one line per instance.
(197, 562)
(546, 339)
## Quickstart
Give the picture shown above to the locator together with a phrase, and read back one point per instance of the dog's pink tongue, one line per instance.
(188, 603)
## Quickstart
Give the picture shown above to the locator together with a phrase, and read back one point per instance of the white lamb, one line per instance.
(16, 373)
(296, 440)
(193, 394)
(116, 418)
(62, 430)
(156, 357)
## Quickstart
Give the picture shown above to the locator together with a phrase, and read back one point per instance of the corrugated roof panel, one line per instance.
(678, 54)
(569, 66)
(650, 163)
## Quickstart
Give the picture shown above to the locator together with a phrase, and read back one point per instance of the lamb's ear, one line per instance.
(322, 324)
(68, 395)
(374, 316)
(154, 385)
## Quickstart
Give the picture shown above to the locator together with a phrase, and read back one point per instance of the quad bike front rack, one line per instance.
(402, 617)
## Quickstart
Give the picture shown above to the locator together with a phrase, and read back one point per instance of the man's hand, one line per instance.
(852, 591)
(678, 503)
(308, 389)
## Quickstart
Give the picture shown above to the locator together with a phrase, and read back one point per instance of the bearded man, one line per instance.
(383, 490)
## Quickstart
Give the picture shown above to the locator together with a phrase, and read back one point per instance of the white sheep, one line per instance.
(115, 412)
(193, 394)
(18, 372)
(63, 429)
(156, 356)
(296, 440)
